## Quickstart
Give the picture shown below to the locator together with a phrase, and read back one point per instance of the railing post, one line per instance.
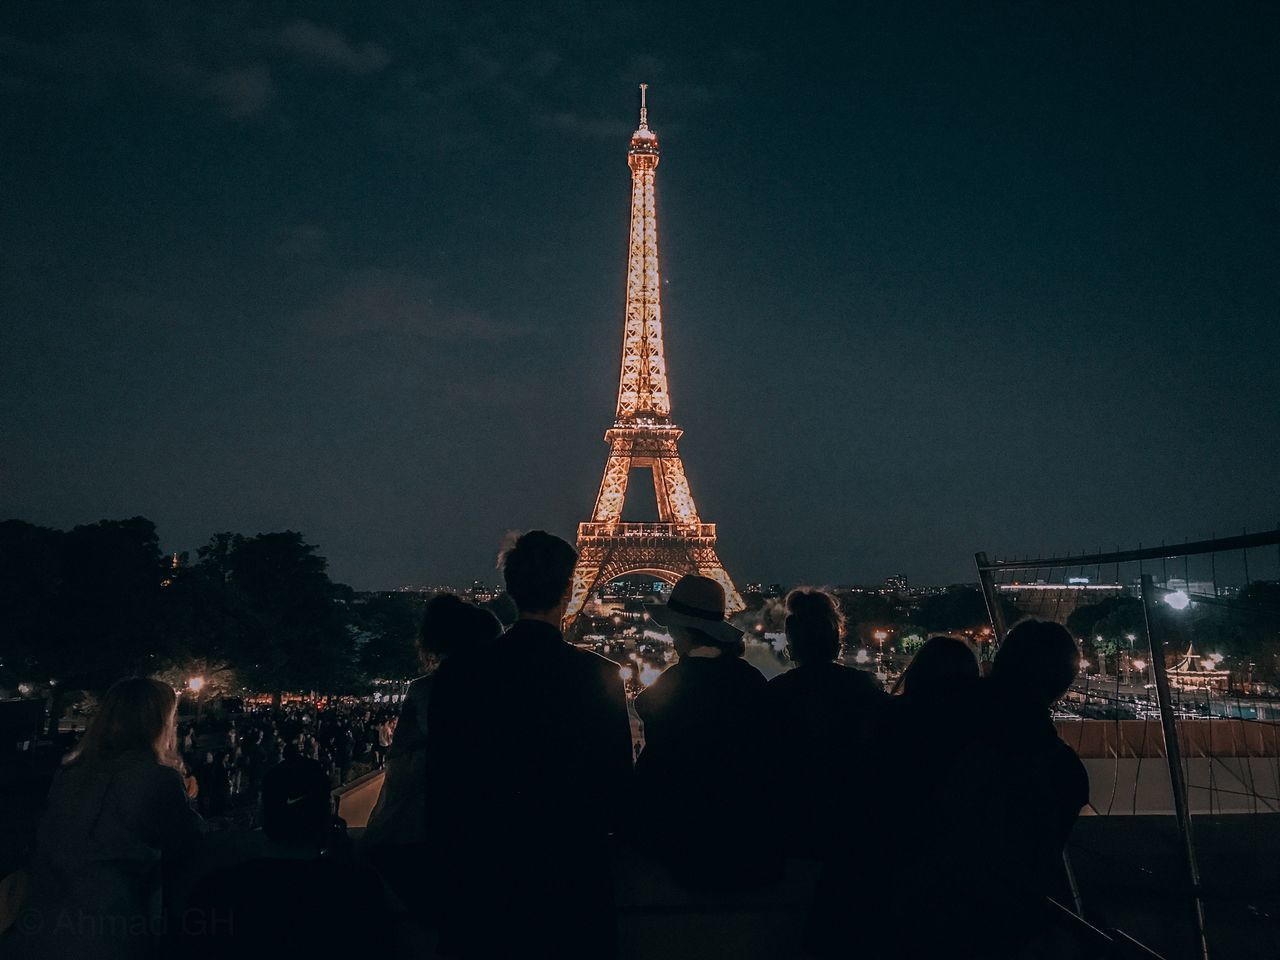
(991, 596)
(1174, 757)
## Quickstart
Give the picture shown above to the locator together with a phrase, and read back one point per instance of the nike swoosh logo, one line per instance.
(290, 801)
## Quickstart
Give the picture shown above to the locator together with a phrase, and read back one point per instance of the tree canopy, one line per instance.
(81, 608)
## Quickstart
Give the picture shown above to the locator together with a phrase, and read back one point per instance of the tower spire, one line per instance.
(644, 111)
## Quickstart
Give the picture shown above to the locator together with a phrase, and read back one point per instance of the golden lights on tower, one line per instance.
(642, 434)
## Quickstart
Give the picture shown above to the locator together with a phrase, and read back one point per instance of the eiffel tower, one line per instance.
(642, 434)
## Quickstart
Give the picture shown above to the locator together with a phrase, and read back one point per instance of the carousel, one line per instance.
(1194, 672)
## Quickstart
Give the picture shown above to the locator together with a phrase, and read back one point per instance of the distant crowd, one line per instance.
(940, 810)
(228, 758)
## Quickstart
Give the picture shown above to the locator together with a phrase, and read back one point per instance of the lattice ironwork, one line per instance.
(642, 434)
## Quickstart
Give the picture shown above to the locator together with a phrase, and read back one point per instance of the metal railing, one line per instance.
(1150, 594)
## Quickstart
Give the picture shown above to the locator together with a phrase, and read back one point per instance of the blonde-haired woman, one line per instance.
(116, 808)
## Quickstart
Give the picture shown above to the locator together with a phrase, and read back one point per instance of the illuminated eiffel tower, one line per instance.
(642, 434)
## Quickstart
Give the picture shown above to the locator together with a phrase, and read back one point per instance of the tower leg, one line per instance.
(712, 567)
(585, 576)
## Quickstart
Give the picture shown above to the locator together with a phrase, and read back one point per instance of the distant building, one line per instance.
(1202, 587)
(896, 584)
(1057, 601)
(481, 593)
(934, 591)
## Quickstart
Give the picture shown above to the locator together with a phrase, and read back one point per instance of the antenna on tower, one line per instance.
(644, 112)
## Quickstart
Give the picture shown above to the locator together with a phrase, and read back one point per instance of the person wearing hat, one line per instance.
(704, 735)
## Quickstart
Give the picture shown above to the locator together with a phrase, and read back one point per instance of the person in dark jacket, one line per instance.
(528, 771)
(296, 888)
(912, 879)
(117, 810)
(1029, 786)
(704, 741)
(819, 713)
(398, 838)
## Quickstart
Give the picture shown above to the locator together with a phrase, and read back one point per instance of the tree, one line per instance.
(387, 624)
(864, 613)
(290, 629)
(957, 610)
(30, 573)
(1113, 617)
(203, 605)
(106, 625)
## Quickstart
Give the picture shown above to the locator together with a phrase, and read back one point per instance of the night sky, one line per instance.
(935, 280)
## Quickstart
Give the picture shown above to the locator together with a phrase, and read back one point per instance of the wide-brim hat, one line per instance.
(696, 603)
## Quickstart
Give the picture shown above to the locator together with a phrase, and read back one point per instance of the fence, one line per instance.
(1180, 661)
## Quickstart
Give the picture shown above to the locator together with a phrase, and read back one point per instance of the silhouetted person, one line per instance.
(117, 807)
(214, 795)
(297, 891)
(942, 674)
(912, 878)
(704, 741)
(1031, 785)
(397, 838)
(818, 712)
(504, 608)
(529, 767)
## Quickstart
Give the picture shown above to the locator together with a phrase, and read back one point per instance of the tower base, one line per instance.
(668, 551)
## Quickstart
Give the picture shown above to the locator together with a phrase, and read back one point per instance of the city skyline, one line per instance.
(340, 274)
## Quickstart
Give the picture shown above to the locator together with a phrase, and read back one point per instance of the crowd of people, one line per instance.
(228, 758)
(510, 782)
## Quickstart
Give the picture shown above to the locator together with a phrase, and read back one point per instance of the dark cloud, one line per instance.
(382, 301)
(241, 92)
(329, 46)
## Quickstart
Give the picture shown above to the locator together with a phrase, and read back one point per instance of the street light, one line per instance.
(196, 684)
(881, 636)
